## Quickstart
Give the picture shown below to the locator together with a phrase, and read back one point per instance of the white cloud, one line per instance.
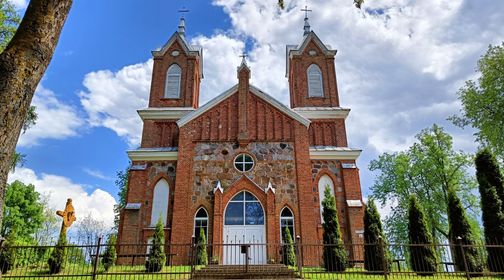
(98, 203)
(97, 174)
(56, 120)
(111, 99)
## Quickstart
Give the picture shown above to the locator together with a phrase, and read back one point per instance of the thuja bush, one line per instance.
(156, 257)
(423, 255)
(58, 256)
(289, 251)
(201, 249)
(110, 254)
(335, 256)
(376, 255)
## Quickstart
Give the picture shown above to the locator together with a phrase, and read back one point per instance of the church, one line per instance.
(243, 167)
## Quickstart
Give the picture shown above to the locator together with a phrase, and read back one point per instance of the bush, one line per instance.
(289, 251)
(335, 256)
(156, 258)
(201, 249)
(460, 228)
(7, 253)
(110, 255)
(58, 256)
(422, 258)
(374, 256)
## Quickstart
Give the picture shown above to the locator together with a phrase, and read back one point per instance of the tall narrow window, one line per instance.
(201, 222)
(324, 182)
(160, 203)
(315, 84)
(287, 222)
(173, 78)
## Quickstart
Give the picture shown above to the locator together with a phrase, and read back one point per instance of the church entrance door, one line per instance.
(244, 225)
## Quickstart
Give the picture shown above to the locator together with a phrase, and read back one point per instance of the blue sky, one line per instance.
(399, 65)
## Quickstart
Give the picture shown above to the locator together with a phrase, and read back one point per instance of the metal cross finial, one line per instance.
(243, 56)
(183, 11)
(306, 10)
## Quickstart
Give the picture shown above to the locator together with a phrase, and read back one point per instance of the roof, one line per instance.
(189, 50)
(292, 50)
(259, 93)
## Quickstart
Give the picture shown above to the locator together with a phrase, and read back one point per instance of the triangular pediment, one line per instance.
(234, 90)
(176, 37)
(293, 50)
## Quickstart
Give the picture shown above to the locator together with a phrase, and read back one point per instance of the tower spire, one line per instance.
(181, 27)
(306, 23)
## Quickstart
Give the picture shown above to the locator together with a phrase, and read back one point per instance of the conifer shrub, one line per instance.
(334, 255)
(110, 254)
(289, 250)
(376, 256)
(422, 256)
(462, 233)
(492, 207)
(7, 253)
(156, 258)
(57, 259)
(201, 249)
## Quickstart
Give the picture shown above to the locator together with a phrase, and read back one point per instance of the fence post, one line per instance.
(381, 243)
(466, 269)
(97, 257)
(193, 255)
(299, 260)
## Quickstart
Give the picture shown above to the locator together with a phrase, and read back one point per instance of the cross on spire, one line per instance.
(243, 56)
(306, 23)
(181, 27)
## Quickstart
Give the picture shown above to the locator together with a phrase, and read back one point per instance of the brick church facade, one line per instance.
(243, 167)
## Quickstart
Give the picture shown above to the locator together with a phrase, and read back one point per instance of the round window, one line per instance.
(244, 162)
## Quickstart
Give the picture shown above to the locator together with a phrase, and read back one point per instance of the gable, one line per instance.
(268, 119)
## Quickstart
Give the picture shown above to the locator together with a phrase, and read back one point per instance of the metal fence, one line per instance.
(309, 261)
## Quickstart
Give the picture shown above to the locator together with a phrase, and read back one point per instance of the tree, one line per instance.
(122, 184)
(48, 232)
(422, 254)
(58, 256)
(483, 102)
(9, 21)
(427, 169)
(335, 257)
(110, 255)
(461, 233)
(375, 256)
(156, 257)
(7, 253)
(488, 175)
(88, 231)
(201, 249)
(22, 64)
(22, 210)
(289, 252)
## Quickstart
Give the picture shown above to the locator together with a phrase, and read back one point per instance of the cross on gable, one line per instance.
(306, 10)
(183, 11)
(244, 55)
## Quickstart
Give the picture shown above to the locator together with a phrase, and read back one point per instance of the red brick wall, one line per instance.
(160, 134)
(298, 79)
(328, 133)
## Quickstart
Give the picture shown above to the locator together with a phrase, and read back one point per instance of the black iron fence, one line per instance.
(309, 261)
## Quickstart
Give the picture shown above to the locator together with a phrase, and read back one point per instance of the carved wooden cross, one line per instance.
(68, 215)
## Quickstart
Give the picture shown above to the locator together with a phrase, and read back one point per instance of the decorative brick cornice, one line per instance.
(322, 112)
(166, 113)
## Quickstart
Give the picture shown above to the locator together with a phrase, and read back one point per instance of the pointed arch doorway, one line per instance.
(244, 223)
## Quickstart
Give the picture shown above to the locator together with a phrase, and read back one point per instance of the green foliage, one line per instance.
(110, 255)
(201, 249)
(335, 256)
(375, 256)
(122, 184)
(490, 187)
(156, 258)
(7, 253)
(9, 21)
(427, 169)
(289, 251)
(19, 159)
(461, 233)
(422, 258)
(483, 101)
(22, 210)
(75, 255)
(58, 257)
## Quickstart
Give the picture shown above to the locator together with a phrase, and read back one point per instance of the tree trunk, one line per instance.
(22, 65)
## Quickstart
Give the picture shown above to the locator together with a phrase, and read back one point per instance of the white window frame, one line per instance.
(293, 233)
(314, 72)
(322, 183)
(162, 201)
(243, 162)
(173, 72)
(200, 219)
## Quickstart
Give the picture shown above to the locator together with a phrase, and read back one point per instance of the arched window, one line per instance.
(244, 209)
(160, 202)
(173, 78)
(315, 84)
(201, 222)
(324, 182)
(287, 222)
